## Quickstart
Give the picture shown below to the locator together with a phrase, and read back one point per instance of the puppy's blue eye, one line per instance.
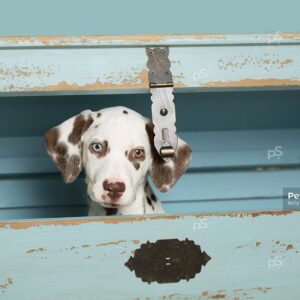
(96, 147)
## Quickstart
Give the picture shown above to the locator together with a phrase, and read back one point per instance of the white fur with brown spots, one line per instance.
(115, 147)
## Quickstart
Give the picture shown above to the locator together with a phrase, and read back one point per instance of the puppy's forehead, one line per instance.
(119, 124)
(119, 113)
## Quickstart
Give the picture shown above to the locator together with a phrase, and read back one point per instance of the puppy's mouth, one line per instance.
(110, 205)
(114, 197)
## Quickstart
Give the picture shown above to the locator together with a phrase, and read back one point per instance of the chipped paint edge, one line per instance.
(268, 82)
(64, 86)
(131, 219)
(147, 39)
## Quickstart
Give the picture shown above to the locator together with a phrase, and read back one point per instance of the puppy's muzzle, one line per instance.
(115, 189)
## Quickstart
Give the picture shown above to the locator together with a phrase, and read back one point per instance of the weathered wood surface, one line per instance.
(110, 64)
(148, 39)
(253, 256)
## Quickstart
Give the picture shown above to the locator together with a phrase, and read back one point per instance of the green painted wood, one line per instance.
(252, 255)
(237, 62)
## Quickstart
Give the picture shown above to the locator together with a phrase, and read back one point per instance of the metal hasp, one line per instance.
(163, 108)
(167, 261)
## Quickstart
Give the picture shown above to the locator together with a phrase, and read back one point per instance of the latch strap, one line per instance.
(163, 108)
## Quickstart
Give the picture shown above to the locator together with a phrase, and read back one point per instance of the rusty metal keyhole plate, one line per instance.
(167, 261)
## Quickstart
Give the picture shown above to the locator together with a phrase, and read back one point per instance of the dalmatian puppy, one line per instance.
(115, 147)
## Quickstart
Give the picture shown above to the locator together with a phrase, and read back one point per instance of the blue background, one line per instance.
(65, 17)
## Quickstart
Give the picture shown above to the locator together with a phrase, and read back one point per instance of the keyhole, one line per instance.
(168, 261)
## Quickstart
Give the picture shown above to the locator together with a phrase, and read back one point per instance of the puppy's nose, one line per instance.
(115, 189)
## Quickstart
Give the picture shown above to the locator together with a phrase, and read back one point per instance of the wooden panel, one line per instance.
(148, 39)
(39, 212)
(218, 205)
(253, 256)
(171, 207)
(230, 171)
(194, 111)
(44, 191)
(206, 186)
(54, 65)
(213, 149)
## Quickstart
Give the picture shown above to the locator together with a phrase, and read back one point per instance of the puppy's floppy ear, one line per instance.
(63, 144)
(165, 175)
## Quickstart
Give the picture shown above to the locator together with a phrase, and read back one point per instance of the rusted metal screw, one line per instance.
(163, 111)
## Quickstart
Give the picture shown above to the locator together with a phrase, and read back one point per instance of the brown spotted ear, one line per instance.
(63, 144)
(165, 175)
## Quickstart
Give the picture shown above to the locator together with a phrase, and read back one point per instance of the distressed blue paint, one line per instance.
(64, 262)
(149, 40)
(70, 265)
(109, 69)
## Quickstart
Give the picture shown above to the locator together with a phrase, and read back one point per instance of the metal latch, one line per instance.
(163, 108)
(167, 261)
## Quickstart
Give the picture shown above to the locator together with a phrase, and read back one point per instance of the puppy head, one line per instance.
(116, 148)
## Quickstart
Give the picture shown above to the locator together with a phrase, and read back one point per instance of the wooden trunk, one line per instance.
(237, 101)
